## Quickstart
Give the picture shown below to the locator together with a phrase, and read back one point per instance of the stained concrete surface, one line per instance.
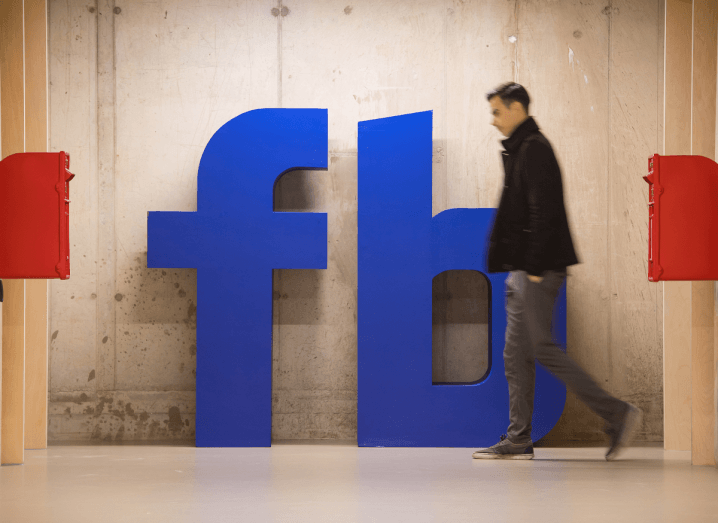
(137, 89)
(345, 483)
(460, 327)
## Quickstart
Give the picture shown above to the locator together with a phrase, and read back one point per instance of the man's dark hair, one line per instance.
(511, 92)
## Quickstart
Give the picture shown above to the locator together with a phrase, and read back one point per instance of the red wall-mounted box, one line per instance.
(683, 218)
(34, 216)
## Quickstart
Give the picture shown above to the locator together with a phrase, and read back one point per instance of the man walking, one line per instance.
(531, 240)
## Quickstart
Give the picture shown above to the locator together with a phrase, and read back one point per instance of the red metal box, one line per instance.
(683, 218)
(34, 216)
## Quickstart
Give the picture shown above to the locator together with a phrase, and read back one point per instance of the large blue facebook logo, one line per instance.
(235, 240)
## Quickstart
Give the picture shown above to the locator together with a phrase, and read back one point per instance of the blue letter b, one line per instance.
(401, 249)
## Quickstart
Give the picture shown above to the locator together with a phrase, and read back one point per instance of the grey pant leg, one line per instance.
(518, 361)
(532, 310)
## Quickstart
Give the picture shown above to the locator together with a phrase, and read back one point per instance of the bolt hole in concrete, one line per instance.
(284, 11)
(117, 10)
(460, 327)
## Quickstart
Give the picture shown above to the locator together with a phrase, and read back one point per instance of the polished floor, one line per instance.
(343, 483)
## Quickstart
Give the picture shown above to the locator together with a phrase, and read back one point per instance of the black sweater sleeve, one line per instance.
(544, 196)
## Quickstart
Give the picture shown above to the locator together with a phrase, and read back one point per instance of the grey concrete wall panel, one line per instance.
(73, 128)
(636, 305)
(137, 89)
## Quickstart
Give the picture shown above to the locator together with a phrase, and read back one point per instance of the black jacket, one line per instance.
(530, 231)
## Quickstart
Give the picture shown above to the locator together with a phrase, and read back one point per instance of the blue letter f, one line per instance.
(235, 240)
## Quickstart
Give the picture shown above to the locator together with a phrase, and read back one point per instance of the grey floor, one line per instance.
(343, 483)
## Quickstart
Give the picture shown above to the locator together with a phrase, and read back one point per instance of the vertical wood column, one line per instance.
(715, 374)
(677, 294)
(36, 290)
(705, 54)
(690, 348)
(13, 373)
(0, 357)
(13, 314)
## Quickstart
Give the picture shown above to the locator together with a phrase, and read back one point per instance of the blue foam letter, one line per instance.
(235, 240)
(401, 248)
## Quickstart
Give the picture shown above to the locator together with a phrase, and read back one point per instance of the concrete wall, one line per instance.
(138, 88)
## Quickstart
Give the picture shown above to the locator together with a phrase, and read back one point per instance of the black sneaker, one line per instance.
(623, 435)
(504, 449)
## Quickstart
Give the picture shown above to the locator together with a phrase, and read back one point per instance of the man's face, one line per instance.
(506, 119)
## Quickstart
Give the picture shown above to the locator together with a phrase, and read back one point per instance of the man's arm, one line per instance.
(543, 191)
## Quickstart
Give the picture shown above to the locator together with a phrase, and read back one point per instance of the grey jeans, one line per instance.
(529, 310)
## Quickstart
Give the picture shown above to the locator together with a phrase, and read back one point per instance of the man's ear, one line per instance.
(513, 107)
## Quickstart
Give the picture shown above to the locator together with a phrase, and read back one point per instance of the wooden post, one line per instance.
(13, 315)
(691, 49)
(677, 294)
(13, 373)
(715, 374)
(36, 290)
(705, 54)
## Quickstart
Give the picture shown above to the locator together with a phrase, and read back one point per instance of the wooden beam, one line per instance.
(36, 359)
(715, 374)
(702, 339)
(1, 364)
(13, 373)
(705, 54)
(12, 101)
(11, 68)
(35, 76)
(36, 290)
(677, 295)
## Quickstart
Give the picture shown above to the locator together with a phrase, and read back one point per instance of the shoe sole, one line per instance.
(477, 455)
(632, 424)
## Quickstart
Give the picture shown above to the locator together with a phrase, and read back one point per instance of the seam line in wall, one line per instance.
(445, 109)
(114, 198)
(609, 206)
(663, 92)
(98, 371)
(693, 49)
(24, 92)
(662, 148)
(690, 284)
(516, 44)
(279, 55)
(48, 291)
